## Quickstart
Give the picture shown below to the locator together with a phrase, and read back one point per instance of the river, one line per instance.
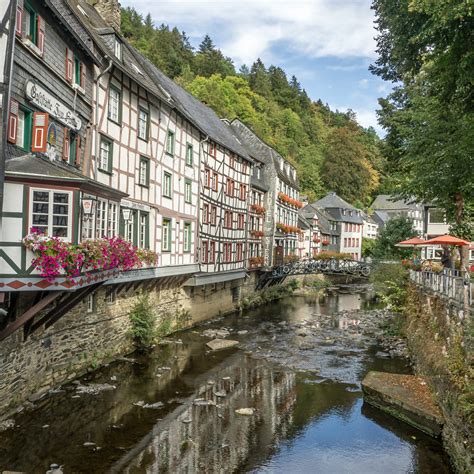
(174, 410)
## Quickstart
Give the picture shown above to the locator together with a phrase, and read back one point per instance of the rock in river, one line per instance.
(245, 411)
(218, 344)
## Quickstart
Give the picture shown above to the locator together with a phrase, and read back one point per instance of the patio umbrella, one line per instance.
(413, 242)
(447, 240)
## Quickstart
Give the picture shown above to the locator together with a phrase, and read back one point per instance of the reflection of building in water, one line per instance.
(208, 436)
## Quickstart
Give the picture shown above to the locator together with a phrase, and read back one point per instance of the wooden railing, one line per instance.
(448, 285)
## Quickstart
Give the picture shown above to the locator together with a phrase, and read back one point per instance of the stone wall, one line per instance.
(440, 339)
(83, 340)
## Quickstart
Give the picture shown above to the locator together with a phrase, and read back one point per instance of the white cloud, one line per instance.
(248, 29)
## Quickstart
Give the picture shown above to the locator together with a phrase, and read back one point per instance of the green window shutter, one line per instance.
(135, 228)
(147, 231)
(120, 106)
(111, 157)
(121, 224)
(28, 130)
(148, 172)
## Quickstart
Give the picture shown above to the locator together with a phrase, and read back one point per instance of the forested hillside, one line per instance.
(330, 150)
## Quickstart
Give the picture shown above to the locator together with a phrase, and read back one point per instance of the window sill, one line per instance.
(105, 171)
(145, 186)
(146, 140)
(78, 88)
(189, 165)
(188, 202)
(167, 197)
(30, 45)
(114, 121)
(169, 154)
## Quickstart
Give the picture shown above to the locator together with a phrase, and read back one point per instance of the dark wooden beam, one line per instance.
(30, 313)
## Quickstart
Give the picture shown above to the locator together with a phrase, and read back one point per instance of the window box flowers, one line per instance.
(325, 243)
(290, 201)
(256, 233)
(57, 258)
(288, 229)
(256, 262)
(258, 209)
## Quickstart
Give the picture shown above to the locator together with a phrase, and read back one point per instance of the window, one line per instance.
(74, 147)
(213, 215)
(114, 111)
(239, 252)
(167, 184)
(244, 168)
(188, 191)
(207, 178)
(189, 155)
(212, 252)
(212, 149)
(129, 228)
(51, 212)
(101, 227)
(112, 219)
(187, 237)
(232, 161)
(143, 124)
(205, 213)
(230, 187)
(90, 303)
(243, 192)
(143, 230)
(110, 294)
(166, 236)
(118, 49)
(105, 155)
(227, 252)
(30, 26)
(170, 143)
(241, 221)
(228, 219)
(24, 129)
(144, 171)
(215, 181)
(205, 252)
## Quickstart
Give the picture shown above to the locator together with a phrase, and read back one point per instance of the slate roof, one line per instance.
(61, 9)
(38, 167)
(334, 205)
(261, 151)
(303, 223)
(380, 217)
(202, 116)
(309, 212)
(388, 202)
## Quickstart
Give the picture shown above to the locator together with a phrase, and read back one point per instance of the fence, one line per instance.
(448, 285)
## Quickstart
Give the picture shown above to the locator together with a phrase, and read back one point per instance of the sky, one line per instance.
(327, 44)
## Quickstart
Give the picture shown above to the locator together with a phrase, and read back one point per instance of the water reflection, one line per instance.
(305, 420)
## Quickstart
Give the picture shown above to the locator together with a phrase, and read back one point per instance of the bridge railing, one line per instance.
(447, 285)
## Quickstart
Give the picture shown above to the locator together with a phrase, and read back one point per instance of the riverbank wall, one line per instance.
(97, 331)
(440, 339)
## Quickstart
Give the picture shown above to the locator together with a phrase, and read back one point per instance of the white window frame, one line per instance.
(166, 223)
(118, 48)
(188, 191)
(189, 154)
(167, 184)
(187, 237)
(143, 124)
(104, 162)
(143, 171)
(113, 111)
(49, 226)
(142, 228)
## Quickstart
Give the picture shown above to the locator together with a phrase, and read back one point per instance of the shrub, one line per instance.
(390, 284)
(143, 322)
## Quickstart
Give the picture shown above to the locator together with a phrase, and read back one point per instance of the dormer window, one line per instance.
(118, 49)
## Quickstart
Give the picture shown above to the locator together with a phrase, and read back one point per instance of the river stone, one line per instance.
(216, 333)
(218, 344)
(245, 411)
(406, 397)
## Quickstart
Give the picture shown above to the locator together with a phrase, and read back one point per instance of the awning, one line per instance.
(211, 278)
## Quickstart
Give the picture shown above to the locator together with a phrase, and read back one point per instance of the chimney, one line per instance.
(109, 10)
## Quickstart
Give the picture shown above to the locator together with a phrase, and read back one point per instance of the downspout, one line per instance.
(7, 73)
(96, 124)
(198, 247)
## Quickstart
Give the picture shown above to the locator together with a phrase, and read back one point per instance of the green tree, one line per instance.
(346, 168)
(209, 60)
(395, 230)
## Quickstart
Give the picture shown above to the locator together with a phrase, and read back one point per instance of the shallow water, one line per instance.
(309, 416)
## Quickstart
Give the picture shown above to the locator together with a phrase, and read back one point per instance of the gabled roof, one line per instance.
(388, 202)
(261, 151)
(310, 212)
(380, 217)
(333, 200)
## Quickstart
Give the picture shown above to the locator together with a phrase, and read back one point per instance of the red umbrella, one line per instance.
(413, 242)
(447, 240)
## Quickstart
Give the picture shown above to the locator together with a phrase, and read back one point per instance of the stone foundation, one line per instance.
(440, 339)
(82, 340)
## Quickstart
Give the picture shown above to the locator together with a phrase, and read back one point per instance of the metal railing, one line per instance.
(445, 284)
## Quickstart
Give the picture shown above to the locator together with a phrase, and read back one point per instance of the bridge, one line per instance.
(330, 266)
